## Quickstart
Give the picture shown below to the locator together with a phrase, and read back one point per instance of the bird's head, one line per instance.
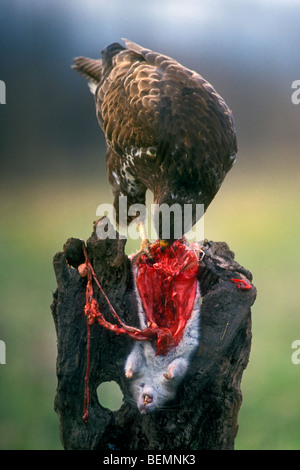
(174, 214)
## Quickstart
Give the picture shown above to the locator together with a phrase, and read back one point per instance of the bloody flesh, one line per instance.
(167, 287)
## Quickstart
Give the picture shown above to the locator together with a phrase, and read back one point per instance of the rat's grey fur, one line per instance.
(146, 371)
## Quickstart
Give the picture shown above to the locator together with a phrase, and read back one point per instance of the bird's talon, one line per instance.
(146, 248)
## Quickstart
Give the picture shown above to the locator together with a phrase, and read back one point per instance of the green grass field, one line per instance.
(260, 222)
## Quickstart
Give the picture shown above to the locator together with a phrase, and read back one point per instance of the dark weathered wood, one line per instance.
(205, 413)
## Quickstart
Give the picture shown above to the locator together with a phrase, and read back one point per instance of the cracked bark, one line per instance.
(205, 412)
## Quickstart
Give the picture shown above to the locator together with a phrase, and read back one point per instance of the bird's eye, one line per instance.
(142, 385)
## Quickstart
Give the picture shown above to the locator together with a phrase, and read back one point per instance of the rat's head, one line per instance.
(152, 393)
(154, 379)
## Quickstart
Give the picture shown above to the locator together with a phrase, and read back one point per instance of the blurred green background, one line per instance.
(53, 178)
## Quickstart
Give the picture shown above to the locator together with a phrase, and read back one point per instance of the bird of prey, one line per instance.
(166, 129)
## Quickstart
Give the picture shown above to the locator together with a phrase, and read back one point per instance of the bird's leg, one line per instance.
(145, 243)
(145, 247)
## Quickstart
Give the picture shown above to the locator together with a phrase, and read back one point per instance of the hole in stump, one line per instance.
(110, 395)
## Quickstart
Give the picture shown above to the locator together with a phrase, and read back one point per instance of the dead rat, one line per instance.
(155, 378)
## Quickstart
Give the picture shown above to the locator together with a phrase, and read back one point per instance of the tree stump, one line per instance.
(205, 412)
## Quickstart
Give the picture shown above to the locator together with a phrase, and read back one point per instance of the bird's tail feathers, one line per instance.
(89, 69)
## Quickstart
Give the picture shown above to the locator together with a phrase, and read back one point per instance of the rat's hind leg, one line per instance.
(177, 368)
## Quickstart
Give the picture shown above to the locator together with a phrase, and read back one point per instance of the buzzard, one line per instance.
(166, 128)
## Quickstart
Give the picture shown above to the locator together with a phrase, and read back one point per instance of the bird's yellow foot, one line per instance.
(164, 244)
(146, 248)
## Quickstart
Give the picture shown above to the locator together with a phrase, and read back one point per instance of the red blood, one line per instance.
(167, 289)
(242, 284)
